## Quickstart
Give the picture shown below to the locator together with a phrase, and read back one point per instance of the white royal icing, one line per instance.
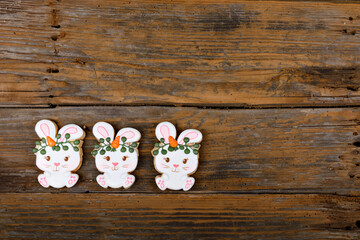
(176, 165)
(59, 166)
(115, 164)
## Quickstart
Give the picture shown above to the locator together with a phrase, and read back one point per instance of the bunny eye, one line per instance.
(125, 157)
(107, 158)
(185, 160)
(66, 158)
(167, 159)
(47, 158)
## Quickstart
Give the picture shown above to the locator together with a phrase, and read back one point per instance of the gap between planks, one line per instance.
(199, 106)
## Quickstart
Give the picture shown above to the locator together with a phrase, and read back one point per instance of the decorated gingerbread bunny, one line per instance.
(58, 154)
(176, 160)
(116, 158)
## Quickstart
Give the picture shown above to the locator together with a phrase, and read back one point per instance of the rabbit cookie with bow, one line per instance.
(58, 154)
(115, 157)
(176, 159)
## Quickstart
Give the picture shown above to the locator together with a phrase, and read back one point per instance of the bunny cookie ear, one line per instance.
(194, 136)
(165, 130)
(103, 130)
(74, 130)
(131, 134)
(46, 128)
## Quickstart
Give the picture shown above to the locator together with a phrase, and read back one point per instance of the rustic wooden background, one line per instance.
(273, 86)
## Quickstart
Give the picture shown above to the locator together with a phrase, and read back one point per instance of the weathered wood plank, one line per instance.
(238, 53)
(257, 151)
(168, 216)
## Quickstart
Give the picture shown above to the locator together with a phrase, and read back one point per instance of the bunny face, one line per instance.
(58, 162)
(115, 155)
(58, 152)
(117, 161)
(176, 157)
(176, 162)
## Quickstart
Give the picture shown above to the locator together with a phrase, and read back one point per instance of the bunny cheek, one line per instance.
(72, 164)
(133, 162)
(191, 166)
(101, 164)
(159, 166)
(129, 167)
(41, 163)
(130, 162)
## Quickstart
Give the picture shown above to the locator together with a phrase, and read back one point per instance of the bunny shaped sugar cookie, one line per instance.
(116, 158)
(176, 160)
(58, 154)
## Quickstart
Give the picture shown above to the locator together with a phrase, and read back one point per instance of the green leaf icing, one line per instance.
(105, 146)
(165, 147)
(40, 146)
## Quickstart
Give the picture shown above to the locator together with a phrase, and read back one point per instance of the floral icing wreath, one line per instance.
(107, 146)
(55, 145)
(174, 146)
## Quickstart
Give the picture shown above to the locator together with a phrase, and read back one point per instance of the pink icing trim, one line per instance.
(103, 132)
(70, 130)
(128, 134)
(190, 135)
(165, 132)
(126, 166)
(45, 129)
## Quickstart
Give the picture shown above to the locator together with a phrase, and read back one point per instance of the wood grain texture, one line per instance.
(229, 53)
(257, 151)
(144, 216)
(264, 173)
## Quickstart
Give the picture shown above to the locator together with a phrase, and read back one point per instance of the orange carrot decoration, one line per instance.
(50, 141)
(116, 142)
(173, 143)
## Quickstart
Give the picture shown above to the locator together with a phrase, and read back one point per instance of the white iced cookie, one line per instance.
(176, 160)
(58, 154)
(115, 158)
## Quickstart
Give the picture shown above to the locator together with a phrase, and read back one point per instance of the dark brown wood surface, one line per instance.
(170, 216)
(274, 86)
(226, 53)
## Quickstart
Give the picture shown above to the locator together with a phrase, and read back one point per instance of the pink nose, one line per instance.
(57, 164)
(115, 164)
(176, 165)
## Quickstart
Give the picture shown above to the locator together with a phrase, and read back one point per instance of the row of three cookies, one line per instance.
(59, 155)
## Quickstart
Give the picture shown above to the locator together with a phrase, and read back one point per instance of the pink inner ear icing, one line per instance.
(45, 129)
(165, 132)
(70, 130)
(103, 132)
(190, 135)
(128, 134)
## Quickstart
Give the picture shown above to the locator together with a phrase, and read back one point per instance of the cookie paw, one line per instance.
(43, 181)
(160, 183)
(101, 181)
(188, 184)
(72, 180)
(129, 181)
